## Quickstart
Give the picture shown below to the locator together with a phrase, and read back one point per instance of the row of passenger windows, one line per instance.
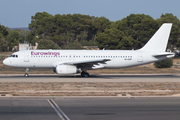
(14, 56)
(87, 56)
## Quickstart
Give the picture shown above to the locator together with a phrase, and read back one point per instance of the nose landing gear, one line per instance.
(26, 74)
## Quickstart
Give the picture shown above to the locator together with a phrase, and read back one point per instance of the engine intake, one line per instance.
(66, 69)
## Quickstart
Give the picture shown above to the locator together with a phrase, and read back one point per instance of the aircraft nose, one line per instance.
(5, 62)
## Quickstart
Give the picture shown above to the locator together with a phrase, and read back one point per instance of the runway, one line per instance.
(90, 108)
(92, 78)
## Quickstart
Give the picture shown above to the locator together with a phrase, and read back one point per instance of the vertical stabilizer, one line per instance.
(158, 41)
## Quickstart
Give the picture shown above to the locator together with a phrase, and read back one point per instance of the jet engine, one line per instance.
(66, 69)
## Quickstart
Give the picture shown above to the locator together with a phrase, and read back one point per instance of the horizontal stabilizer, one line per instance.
(163, 54)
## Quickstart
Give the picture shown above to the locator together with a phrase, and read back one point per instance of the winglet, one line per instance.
(159, 40)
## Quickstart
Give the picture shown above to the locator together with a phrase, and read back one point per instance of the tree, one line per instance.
(73, 45)
(47, 44)
(3, 42)
(3, 31)
(101, 23)
(127, 43)
(174, 40)
(63, 29)
(109, 39)
(131, 32)
(164, 63)
(139, 26)
(14, 39)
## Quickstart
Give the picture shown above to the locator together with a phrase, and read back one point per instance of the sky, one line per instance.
(17, 13)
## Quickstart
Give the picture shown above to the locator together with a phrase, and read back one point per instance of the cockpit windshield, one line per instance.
(15, 56)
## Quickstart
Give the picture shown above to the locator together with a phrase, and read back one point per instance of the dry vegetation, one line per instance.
(89, 89)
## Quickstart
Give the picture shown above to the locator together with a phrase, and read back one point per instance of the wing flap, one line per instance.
(88, 63)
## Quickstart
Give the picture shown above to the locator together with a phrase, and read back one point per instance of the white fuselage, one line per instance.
(52, 58)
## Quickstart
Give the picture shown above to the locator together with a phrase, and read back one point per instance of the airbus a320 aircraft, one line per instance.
(76, 61)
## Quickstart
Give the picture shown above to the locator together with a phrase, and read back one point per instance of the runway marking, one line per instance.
(60, 113)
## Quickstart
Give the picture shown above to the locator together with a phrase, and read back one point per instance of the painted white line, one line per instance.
(60, 113)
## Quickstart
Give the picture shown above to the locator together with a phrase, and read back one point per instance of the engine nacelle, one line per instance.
(66, 69)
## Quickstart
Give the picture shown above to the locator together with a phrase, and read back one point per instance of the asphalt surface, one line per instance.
(90, 108)
(92, 78)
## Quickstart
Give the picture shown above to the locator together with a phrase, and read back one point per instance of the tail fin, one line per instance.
(158, 41)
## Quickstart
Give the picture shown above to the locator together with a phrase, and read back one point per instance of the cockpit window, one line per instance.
(14, 56)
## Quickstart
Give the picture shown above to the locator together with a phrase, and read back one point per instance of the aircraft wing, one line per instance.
(88, 63)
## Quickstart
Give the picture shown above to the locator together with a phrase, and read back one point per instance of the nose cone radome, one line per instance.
(5, 62)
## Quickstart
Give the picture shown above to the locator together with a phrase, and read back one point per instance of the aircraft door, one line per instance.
(140, 57)
(26, 56)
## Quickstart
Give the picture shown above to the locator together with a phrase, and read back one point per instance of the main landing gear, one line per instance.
(84, 74)
(26, 74)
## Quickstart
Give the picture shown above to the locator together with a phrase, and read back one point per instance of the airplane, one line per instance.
(79, 61)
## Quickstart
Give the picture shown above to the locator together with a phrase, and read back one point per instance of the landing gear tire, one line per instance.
(26, 75)
(84, 74)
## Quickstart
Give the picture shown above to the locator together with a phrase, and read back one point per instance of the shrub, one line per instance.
(2, 57)
(164, 63)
